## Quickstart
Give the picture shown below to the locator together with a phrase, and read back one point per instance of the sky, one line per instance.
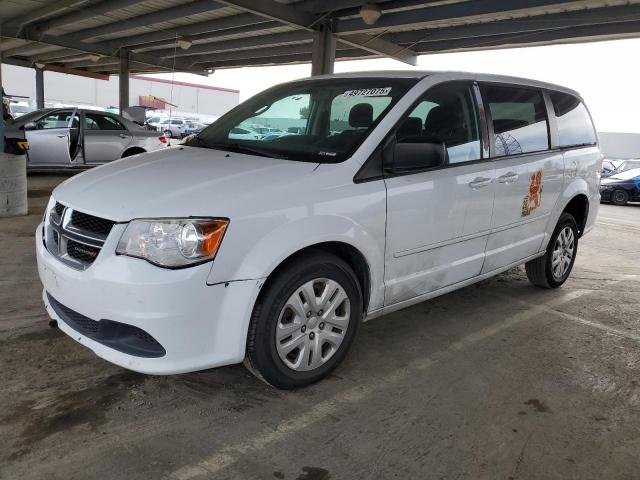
(606, 74)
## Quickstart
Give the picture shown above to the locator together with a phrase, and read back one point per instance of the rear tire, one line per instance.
(619, 197)
(167, 133)
(304, 322)
(554, 267)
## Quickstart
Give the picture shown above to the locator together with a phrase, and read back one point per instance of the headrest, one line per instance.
(410, 127)
(361, 115)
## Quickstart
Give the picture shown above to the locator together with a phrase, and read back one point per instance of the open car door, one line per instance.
(54, 138)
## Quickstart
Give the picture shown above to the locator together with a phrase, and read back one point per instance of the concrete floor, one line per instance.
(498, 380)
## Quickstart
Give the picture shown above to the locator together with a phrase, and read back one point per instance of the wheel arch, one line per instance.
(133, 151)
(345, 251)
(578, 206)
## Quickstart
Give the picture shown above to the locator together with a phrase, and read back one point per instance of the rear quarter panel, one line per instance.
(581, 177)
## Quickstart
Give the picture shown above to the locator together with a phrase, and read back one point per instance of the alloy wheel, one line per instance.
(563, 251)
(312, 324)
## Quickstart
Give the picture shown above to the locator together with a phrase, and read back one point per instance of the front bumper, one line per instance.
(198, 325)
(605, 194)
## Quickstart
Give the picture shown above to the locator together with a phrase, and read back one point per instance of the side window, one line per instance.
(58, 119)
(94, 121)
(573, 120)
(445, 114)
(519, 119)
(287, 112)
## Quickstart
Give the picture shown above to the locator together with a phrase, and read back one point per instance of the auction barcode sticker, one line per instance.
(368, 92)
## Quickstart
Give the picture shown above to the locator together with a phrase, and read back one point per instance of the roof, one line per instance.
(446, 74)
(203, 35)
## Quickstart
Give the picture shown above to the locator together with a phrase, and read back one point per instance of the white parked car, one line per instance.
(173, 127)
(228, 249)
(238, 133)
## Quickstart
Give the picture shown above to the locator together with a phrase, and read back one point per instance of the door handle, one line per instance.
(61, 135)
(122, 135)
(480, 182)
(508, 177)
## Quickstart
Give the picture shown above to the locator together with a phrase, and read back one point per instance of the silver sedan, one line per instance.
(77, 137)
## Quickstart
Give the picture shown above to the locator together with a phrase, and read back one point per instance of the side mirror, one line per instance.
(30, 126)
(410, 156)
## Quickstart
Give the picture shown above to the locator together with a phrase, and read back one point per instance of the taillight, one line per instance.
(163, 139)
(601, 163)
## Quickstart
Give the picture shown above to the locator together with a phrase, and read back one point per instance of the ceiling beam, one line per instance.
(213, 25)
(46, 10)
(90, 11)
(587, 33)
(147, 19)
(298, 18)
(260, 41)
(265, 53)
(285, 59)
(380, 46)
(531, 24)
(55, 55)
(453, 11)
(73, 71)
(212, 36)
(97, 49)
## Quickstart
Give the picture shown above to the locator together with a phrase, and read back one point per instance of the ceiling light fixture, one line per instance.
(94, 58)
(185, 43)
(370, 13)
(40, 65)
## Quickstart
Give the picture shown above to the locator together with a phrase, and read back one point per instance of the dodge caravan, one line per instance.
(391, 188)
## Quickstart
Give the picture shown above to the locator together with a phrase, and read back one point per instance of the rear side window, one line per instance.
(574, 123)
(519, 119)
(94, 121)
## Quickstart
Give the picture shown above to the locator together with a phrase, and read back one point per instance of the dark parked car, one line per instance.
(621, 188)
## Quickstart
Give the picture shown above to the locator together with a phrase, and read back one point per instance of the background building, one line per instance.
(61, 89)
(617, 145)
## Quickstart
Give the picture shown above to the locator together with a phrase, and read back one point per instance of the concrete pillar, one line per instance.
(39, 88)
(124, 79)
(1, 90)
(323, 54)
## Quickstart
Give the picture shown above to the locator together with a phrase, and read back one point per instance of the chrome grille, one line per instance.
(74, 237)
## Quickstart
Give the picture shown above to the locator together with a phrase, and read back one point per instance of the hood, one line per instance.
(628, 175)
(178, 182)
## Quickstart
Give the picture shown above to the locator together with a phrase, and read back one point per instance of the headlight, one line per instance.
(47, 210)
(173, 242)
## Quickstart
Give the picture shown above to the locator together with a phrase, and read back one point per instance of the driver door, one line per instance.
(438, 220)
(50, 141)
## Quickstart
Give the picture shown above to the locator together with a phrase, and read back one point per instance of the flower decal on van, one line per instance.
(532, 200)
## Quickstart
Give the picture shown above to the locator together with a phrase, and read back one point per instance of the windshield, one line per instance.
(29, 117)
(313, 121)
(628, 165)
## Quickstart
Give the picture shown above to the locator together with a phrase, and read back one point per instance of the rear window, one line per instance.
(519, 119)
(574, 123)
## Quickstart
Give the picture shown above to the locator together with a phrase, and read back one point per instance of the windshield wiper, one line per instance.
(236, 147)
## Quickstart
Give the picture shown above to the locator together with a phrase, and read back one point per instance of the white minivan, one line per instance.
(399, 187)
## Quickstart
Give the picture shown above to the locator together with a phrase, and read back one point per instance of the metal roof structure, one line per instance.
(199, 36)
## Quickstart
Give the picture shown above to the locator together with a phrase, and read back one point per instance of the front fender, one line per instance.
(264, 255)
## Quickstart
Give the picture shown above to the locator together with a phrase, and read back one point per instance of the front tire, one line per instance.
(304, 322)
(619, 197)
(553, 269)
